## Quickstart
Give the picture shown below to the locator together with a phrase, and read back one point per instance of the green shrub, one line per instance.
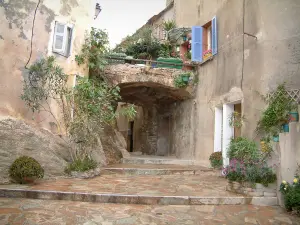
(277, 112)
(235, 171)
(291, 193)
(260, 174)
(252, 173)
(243, 149)
(216, 160)
(25, 168)
(81, 165)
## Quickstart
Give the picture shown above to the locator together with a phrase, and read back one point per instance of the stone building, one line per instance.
(59, 28)
(30, 30)
(255, 47)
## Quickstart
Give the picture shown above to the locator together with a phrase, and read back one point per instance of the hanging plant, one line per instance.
(236, 120)
(277, 112)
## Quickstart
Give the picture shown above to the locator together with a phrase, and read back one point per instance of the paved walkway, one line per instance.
(42, 212)
(206, 184)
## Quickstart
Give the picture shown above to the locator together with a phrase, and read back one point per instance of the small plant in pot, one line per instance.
(236, 120)
(25, 169)
(185, 77)
(182, 80)
(265, 145)
(294, 115)
(216, 160)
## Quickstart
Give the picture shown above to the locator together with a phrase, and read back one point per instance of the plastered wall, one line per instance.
(16, 20)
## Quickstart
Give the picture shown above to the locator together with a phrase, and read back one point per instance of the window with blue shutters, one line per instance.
(204, 41)
(214, 38)
(197, 35)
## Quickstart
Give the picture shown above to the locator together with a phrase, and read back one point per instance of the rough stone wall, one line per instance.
(127, 73)
(18, 138)
(149, 131)
(268, 61)
(16, 20)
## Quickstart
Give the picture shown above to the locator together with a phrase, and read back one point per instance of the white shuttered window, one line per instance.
(62, 39)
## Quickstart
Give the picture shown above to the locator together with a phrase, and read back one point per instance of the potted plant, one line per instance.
(188, 55)
(274, 132)
(236, 120)
(285, 128)
(294, 115)
(216, 160)
(276, 116)
(264, 144)
(179, 82)
(185, 77)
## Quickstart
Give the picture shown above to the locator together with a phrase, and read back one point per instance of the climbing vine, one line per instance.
(94, 50)
(86, 108)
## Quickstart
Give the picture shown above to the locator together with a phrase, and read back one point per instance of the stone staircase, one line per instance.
(142, 180)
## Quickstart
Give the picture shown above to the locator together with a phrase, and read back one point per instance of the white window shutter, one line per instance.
(59, 42)
(214, 36)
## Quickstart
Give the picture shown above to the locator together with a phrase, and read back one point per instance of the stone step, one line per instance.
(136, 199)
(156, 160)
(155, 169)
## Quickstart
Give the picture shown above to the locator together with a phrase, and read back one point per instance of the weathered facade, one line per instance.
(157, 21)
(257, 48)
(30, 30)
(17, 45)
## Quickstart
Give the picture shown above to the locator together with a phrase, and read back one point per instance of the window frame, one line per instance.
(67, 39)
(201, 36)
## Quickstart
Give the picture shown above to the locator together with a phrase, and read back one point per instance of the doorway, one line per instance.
(224, 132)
(130, 135)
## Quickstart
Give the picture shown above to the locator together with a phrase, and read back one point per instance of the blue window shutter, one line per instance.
(214, 36)
(197, 35)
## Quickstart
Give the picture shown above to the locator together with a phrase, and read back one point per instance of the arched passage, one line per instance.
(151, 131)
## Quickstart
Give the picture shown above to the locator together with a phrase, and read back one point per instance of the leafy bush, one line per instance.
(81, 165)
(94, 50)
(169, 25)
(252, 173)
(277, 112)
(216, 160)
(259, 173)
(243, 149)
(291, 193)
(179, 82)
(235, 171)
(24, 169)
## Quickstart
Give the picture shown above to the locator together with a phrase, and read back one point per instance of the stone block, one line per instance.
(256, 193)
(174, 200)
(250, 220)
(264, 201)
(249, 189)
(270, 194)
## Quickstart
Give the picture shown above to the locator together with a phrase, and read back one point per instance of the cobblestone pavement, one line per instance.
(206, 184)
(47, 212)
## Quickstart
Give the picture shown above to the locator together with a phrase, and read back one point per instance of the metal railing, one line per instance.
(151, 62)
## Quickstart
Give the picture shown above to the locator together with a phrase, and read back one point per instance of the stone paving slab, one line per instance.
(203, 189)
(204, 185)
(155, 169)
(156, 160)
(46, 212)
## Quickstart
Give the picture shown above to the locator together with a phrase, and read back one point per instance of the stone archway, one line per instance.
(152, 90)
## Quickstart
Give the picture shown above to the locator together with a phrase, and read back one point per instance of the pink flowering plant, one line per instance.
(255, 172)
(235, 171)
